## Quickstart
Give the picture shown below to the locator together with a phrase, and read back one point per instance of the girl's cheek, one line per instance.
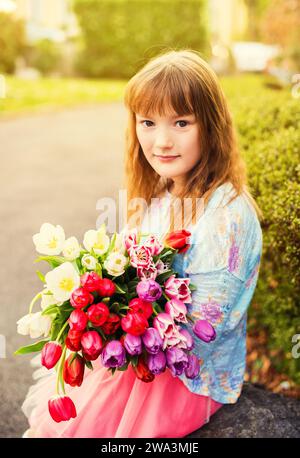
(148, 144)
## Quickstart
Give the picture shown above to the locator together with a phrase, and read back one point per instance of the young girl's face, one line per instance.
(171, 144)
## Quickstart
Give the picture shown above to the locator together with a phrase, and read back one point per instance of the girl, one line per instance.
(181, 148)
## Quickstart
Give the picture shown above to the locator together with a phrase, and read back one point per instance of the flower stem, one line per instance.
(165, 296)
(61, 331)
(34, 301)
(59, 371)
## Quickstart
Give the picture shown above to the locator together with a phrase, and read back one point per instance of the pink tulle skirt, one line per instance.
(120, 406)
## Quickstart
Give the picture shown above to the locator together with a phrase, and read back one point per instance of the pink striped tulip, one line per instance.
(61, 408)
(50, 354)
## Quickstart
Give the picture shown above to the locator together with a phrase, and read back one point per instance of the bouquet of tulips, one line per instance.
(115, 298)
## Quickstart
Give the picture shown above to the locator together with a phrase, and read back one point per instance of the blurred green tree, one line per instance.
(256, 10)
(12, 41)
(119, 36)
(44, 55)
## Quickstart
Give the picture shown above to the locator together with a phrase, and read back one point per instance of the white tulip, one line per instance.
(40, 325)
(62, 281)
(71, 248)
(89, 261)
(35, 325)
(49, 240)
(96, 240)
(115, 264)
(24, 325)
(47, 299)
(119, 245)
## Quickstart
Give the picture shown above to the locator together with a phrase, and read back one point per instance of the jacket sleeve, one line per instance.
(223, 264)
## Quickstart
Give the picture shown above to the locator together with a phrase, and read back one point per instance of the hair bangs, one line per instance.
(168, 93)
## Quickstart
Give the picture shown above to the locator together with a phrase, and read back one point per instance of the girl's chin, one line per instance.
(164, 173)
(167, 169)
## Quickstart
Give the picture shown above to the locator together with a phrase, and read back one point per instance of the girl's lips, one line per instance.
(167, 158)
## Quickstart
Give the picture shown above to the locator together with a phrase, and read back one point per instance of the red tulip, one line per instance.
(50, 354)
(98, 313)
(112, 323)
(78, 320)
(142, 371)
(134, 323)
(73, 340)
(73, 371)
(179, 240)
(81, 298)
(90, 281)
(107, 287)
(61, 408)
(140, 306)
(92, 345)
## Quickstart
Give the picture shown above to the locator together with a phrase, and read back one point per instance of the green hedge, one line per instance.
(45, 55)
(120, 36)
(268, 124)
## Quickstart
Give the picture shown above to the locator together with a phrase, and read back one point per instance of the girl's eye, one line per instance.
(142, 122)
(186, 122)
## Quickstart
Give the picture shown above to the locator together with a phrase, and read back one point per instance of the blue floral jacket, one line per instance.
(223, 262)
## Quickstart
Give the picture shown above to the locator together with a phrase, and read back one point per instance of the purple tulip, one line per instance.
(133, 344)
(157, 363)
(152, 340)
(149, 290)
(190, 341)
(113, 355)
(204, 330)
(193, 368)
(177, 360)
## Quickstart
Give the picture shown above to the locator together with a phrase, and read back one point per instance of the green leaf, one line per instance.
(124, 307)
(41, 276)
(73, 357)
(112, 243)
(66, 307)
(55, 328)
(113, 370)
(54, 261)
(134, 360)
(124, 367)
(157, 307)
(78, 262)
(51, 309)
(132, 285)
(88, 364)
(98, 329)
(37, 346)
(167, 253)
(161, 278)
(99, 270)
(93, 253)
(120, 290)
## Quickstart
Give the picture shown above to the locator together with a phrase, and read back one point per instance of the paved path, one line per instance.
(54, 168)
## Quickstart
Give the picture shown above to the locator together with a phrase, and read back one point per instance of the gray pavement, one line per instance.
(54, 168)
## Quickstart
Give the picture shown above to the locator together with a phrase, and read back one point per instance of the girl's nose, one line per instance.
(163, 140)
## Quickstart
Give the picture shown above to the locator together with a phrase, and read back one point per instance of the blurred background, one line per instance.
(63, 68)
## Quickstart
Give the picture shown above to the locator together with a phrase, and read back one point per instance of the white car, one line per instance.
(253, 56)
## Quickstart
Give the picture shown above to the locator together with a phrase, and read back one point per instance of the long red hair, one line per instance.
(183, 82)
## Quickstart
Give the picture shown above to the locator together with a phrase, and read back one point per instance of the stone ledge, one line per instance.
(258, 413)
